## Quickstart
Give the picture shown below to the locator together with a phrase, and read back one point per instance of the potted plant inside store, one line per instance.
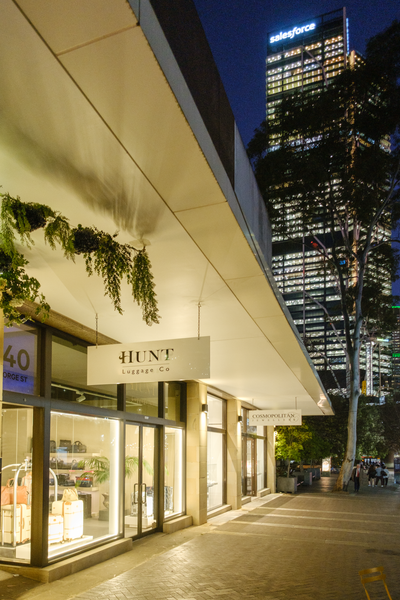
(98, 471)
(288, 446)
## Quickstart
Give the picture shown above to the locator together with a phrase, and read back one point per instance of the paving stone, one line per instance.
(309, 546)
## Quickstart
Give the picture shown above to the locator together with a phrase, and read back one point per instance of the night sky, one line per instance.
(237, 33)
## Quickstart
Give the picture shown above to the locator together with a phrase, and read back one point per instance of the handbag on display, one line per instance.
(70, 495)
(84, 482)
(7, 493)
(66, 444)
(78, 447)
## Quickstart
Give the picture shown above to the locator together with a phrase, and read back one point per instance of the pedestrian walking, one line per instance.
(378, 474)
(371, 475)
(355, 476)
(384, 476)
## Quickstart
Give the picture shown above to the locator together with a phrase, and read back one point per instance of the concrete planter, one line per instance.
(286, 484)
(317, 472)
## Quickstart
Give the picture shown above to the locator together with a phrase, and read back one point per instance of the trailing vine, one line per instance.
(143, 287)
(102, 253)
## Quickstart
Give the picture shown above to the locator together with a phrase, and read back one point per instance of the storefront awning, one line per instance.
(91, 126)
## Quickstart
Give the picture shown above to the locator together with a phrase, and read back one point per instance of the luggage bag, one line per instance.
(22, 525)
(72, 513)
(56, 529)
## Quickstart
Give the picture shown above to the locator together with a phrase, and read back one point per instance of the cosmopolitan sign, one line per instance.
(275, 417)
(284, 35)
(165, 360)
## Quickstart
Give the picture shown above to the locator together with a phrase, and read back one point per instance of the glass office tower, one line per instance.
(308, 56)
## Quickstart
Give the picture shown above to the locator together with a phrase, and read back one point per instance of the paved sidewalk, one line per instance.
(309, 546)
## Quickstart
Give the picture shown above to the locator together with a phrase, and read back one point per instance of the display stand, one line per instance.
(25, 466)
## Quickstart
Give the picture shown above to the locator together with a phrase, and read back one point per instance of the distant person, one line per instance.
(371, 475)
(355, 476)
(378, 474)
(384, 476)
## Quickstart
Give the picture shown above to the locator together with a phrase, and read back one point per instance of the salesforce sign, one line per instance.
(292, 33)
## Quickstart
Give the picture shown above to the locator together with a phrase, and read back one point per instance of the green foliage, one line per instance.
(16, 287)
(331, 432)
(289, 442)
(99, 467)
(109, 259)
(143, 287)
(102, 253)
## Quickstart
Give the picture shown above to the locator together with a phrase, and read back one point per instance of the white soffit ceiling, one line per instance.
(89, 125)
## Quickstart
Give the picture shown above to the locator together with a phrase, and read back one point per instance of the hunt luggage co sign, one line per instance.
(275, 417)
(165, 360)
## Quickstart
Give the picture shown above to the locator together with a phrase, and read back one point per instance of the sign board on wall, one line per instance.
(275, 417)
(19, 360)
(165, 360)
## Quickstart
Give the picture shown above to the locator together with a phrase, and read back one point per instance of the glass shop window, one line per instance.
(260, 462)
(173, 401)
(173, 477)
(16, 482)
(216, 452)
(142, 398)
(215, 470)
(69, 377)
(216, 412)
(20, 359)
(85, 484)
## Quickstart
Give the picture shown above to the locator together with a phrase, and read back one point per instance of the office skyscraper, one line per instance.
(308, 56)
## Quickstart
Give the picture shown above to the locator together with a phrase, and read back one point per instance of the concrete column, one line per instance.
(271, 463)
(196, 453)
(234, 455)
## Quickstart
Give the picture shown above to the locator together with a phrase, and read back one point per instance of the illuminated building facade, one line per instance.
(308, 56)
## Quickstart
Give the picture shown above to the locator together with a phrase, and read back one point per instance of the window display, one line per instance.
(16, 482)
(173, 488)
(85, 489)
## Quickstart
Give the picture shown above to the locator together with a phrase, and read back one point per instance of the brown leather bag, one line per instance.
(7, 492)
(5, 495)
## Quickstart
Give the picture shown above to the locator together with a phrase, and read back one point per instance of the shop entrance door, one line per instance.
(141, 494)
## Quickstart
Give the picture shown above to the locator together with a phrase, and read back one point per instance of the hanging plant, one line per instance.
(23, 218)
(86, 240)
(106, 257)
(16, 287)
(143, 287)
(113, 261)
(102, 253)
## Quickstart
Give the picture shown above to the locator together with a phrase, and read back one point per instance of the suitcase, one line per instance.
(22, 525)
(72, 513)
(56, 529)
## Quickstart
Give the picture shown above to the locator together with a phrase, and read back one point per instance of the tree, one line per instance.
(323, 164)
(289, 443)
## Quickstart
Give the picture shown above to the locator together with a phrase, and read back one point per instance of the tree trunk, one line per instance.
(348, 462)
